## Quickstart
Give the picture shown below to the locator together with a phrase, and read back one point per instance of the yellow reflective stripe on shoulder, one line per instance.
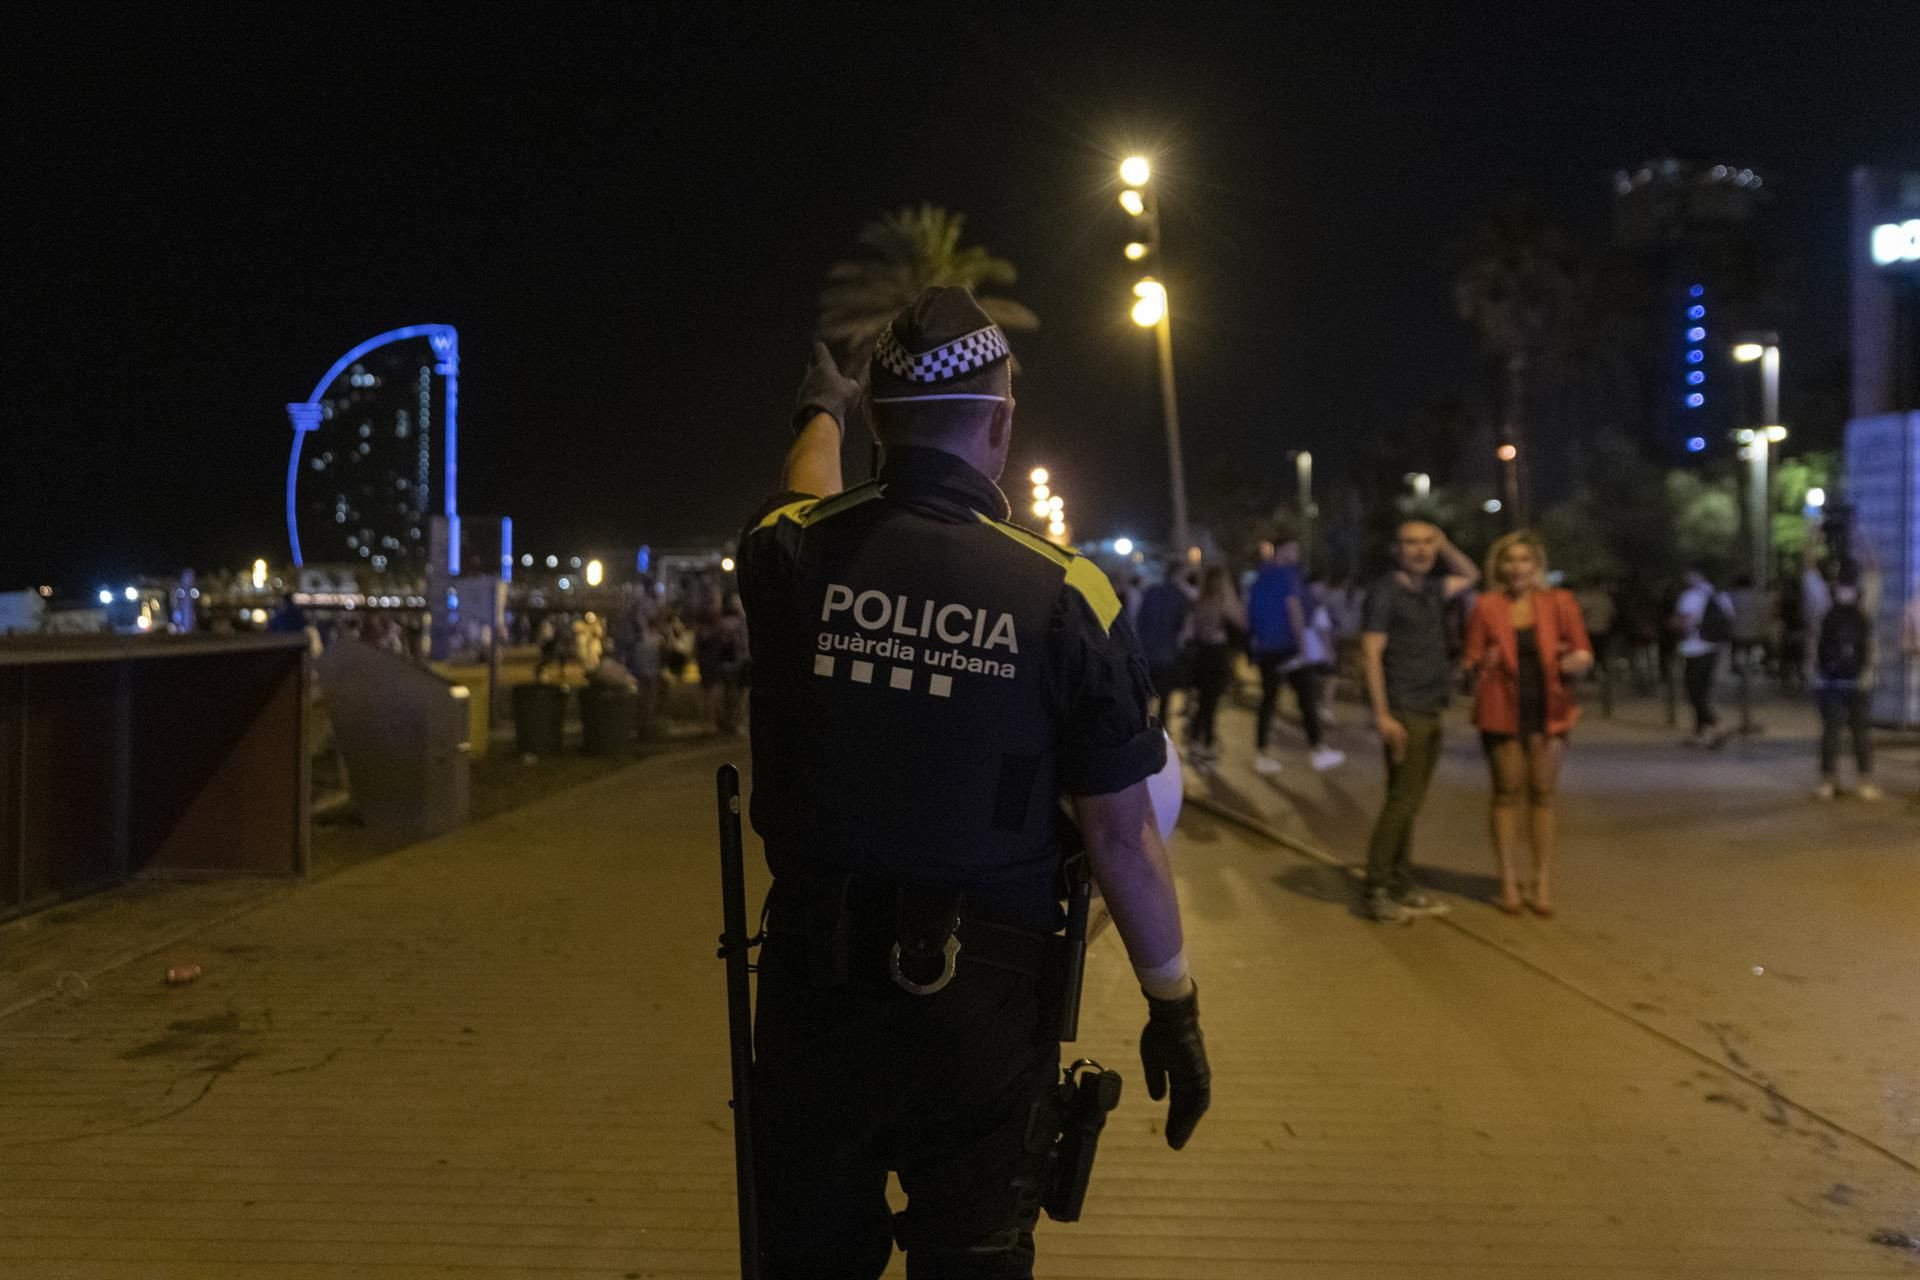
(843, 501)
(794, 511)
(1038, 545)
(1084, 576)
(808, 510)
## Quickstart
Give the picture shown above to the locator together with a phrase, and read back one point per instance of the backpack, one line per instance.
(1845, 642)
(1716, 620)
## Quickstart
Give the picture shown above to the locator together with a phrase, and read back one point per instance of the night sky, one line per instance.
(629, 211)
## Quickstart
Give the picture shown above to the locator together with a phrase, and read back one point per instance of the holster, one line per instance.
(1086, 1094)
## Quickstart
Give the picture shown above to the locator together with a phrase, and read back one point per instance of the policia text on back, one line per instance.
(930, 683)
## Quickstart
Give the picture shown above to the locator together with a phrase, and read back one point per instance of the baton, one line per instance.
(734, 945)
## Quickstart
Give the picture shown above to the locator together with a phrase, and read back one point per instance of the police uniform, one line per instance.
(929, 680)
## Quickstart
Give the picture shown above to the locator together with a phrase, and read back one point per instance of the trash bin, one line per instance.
(539, 716)
(606, 719)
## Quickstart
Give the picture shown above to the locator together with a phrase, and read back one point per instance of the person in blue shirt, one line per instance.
(1276, 624)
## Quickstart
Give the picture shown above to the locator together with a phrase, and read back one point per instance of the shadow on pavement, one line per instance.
(1321, 884)
(1478, 885)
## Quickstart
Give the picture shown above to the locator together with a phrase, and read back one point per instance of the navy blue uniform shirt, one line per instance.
(928, 680)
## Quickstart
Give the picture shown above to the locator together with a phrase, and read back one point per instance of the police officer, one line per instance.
(929, 680)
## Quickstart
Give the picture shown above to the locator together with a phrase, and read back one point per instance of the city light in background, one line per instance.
(1047, 504)
(1152, 310)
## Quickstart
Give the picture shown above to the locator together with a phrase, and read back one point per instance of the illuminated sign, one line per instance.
(306, 416)
(1896, 242)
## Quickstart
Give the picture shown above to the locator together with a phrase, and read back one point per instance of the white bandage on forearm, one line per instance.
(1170, 980)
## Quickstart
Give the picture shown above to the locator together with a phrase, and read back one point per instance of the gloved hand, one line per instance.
(1174, 1054)
(826, 390)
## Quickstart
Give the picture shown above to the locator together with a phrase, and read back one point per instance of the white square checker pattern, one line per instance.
(901, 678)
(823, 664)
(862, 672)
(939, 685)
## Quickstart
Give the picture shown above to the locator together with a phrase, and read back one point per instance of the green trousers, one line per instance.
(1390, 851)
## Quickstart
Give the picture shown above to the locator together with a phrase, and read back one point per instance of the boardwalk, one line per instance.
(502, 1053)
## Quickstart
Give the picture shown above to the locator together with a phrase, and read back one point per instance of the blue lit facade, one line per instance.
(370, 465)
(1692, 238)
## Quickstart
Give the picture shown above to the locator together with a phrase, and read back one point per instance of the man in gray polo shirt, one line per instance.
(1409, 676)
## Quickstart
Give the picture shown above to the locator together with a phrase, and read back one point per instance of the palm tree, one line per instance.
(1517, 287)
(905, 253)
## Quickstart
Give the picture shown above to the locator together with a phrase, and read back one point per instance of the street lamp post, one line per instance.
(1153, 311)
(1764, 348)
(1303, 477)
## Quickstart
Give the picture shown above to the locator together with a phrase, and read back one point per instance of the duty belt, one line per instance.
(981, 942)
(927, 932)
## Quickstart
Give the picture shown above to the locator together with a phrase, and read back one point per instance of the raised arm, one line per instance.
(1462, 573)
(822, 409)
(813, 461)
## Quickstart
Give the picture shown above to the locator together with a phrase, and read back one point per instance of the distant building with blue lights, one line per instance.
(1694, 232)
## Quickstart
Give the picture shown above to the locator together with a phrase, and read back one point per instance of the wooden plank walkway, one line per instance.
(502, 1053)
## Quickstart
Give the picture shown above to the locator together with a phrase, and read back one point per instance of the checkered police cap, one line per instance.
(942, 346)
(944, 363)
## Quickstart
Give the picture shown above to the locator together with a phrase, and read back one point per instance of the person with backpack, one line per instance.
(1703, 618)
(1843, 688)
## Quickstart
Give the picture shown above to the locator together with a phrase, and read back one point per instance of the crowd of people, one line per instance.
(1519, 645)
(697, 635)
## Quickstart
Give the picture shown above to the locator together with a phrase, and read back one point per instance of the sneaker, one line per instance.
(1382, 909)
(1868, 792)
(1418, 902)
(1325, 758)
(1825, 791)
(1265, 765)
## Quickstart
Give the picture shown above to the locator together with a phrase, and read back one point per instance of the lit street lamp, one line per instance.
(1048, 505)
(595, 572)
(1303, 478)
(1152, 310)
(1765, 349)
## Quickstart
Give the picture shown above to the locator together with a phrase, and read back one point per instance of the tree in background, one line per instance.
(1791, 481)
(905, 252)
(1516, 284)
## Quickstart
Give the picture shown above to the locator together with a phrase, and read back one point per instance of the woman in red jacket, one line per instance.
(1525, 641)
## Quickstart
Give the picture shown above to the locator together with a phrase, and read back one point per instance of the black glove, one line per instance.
(826, 390)
(1172, 1050)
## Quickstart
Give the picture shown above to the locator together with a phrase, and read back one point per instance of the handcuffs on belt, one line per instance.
(926, 926)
